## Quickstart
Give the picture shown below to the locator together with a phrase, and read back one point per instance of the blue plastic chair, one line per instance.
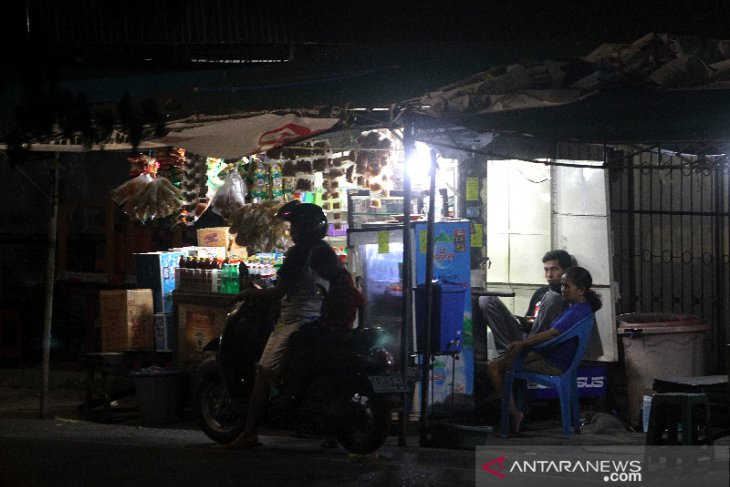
(566, 384)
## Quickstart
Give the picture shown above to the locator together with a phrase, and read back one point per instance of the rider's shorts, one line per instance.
(276, 352)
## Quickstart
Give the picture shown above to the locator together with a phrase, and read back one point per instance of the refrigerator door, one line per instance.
(379, 255)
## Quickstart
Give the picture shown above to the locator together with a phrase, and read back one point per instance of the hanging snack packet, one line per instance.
(231, 196)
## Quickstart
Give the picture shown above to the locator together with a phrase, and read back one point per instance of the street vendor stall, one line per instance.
(522, 153)
(401, 231)
(357, 175)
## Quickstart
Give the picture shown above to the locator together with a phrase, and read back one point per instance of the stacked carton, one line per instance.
(126, 320)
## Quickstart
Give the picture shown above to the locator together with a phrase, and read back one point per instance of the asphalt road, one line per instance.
(76, 453)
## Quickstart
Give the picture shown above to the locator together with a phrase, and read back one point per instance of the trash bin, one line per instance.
(659, 345)
(159, 394)
(449, 301)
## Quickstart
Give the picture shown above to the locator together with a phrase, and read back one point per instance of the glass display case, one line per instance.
(366, 209)
(378, 267)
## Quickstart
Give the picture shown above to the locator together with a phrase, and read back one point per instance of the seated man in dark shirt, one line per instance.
(546, 305)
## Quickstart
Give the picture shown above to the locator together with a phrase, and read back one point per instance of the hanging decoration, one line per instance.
(194, 186)
(148, 197)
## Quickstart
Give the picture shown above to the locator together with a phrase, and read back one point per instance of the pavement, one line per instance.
(20, 397)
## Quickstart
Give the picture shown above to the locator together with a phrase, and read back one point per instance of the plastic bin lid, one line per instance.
(664, 323)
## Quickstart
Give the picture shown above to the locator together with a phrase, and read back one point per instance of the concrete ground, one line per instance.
(20, 397)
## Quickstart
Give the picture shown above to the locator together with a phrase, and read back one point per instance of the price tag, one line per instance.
(477, 238)
(472, 189)
(383, 242)
(423, 241)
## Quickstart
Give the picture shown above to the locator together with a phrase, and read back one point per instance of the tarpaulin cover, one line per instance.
(658, 61)
(239, 137)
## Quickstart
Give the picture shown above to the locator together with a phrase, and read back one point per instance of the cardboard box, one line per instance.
(126, 317)
(156, 271)
(164, 330)
(213, 237)
(236, 251)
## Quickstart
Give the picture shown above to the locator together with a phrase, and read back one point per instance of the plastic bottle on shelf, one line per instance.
(225, 277)
(234, 285)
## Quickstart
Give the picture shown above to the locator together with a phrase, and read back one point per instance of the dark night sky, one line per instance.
(349, 21)
(515, 19)
(65, 31)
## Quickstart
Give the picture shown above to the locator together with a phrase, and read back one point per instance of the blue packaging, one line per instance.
(156, 271)
(164, 332)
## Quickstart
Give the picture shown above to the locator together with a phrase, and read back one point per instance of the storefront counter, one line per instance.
(200, 318)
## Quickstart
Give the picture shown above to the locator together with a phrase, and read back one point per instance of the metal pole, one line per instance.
(50, 278)
(407, 312)
(426, 332)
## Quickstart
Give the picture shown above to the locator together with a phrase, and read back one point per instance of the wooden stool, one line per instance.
(672, 409)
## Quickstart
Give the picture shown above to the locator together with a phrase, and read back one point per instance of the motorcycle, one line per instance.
(333, 387)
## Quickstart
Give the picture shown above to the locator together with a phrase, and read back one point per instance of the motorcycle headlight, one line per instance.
(382, 358)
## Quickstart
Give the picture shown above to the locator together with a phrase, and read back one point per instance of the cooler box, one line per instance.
(126, 317)
(156, 271)
(448, 316)
(591, 384)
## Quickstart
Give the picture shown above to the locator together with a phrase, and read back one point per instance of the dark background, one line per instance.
(64, 27)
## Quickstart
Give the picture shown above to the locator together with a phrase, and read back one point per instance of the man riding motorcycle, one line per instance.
(312, 285)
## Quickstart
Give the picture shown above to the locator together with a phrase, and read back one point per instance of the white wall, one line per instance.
(532, 208)
(518, 228)
(581, 226)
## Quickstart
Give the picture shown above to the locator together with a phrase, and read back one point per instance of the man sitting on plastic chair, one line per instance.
(550, 357)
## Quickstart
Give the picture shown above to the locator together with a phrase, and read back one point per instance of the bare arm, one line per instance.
(519, 345)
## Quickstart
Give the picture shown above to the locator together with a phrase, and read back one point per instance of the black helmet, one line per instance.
(306, 218)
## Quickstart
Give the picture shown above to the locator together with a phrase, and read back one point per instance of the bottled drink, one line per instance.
(226, 278)
(234, 285)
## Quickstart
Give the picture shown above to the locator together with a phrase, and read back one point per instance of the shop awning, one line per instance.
(233, 138)
(659, 88)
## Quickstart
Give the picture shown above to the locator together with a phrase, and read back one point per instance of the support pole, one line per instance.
(428, 319)
(407, 311)
(50, 279)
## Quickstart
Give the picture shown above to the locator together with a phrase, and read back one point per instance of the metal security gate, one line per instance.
(669, 216)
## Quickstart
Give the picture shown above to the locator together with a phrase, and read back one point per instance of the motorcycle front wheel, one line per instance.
(220, 419)
(364, 421)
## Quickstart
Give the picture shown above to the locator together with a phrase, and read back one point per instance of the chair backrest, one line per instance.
(582, 331)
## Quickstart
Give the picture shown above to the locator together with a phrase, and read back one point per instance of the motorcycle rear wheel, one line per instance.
(220, 419)
(365, 421)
